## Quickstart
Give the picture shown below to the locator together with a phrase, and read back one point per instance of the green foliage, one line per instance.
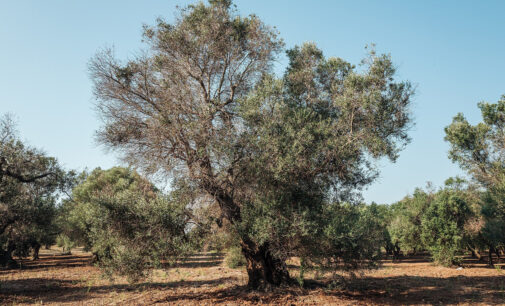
(480, 150)
(303, 131)
(234, 258)
(443, 222)
(301, 272)
(384, 215)
(405, 226)
(139, 234)
(127, 224)
(219, 240)
(352, 237)
(29, 188)
(493, 211)
(80, 214)
(443, 226)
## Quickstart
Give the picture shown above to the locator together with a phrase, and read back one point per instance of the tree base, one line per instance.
(264, 270)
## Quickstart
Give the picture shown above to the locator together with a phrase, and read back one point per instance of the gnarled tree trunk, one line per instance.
(396, 252)
(36, 249)
(490, 256)
(264, 269)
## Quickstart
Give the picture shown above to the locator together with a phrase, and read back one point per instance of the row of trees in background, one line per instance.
(465, 215)
(271, 164)
(447, 223)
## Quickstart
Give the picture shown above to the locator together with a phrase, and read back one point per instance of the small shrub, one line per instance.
(235, 259)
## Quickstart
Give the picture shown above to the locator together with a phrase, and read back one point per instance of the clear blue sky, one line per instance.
(454, 51)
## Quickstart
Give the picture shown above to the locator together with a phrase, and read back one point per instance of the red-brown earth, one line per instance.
(205, 279)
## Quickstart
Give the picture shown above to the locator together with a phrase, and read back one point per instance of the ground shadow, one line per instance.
(59, 291)
(467, 261)
(204, 260)
(46, 262)
(406, 289)
(403, 290)
(420, 289)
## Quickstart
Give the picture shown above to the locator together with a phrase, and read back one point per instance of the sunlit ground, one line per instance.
(204, 279)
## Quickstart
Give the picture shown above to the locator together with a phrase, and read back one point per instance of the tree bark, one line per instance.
(490, 257)
(36, 249)
(389, 251)
(495, 250)
(396, 252)
(264, 270)
(475, 253)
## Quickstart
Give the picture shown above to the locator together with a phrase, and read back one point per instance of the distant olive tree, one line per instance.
(443, 224)
(201, 106)
(406, 222)
(29, 186)
(480, 150)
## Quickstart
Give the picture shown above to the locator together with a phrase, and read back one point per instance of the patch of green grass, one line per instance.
(498, 268)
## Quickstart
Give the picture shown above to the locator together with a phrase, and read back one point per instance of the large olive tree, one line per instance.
(201, 106)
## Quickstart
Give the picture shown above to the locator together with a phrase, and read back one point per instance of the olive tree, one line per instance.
(29, 184)
(405, 226)
(443, 224)
(480, 150)
(127, 224)
(201, 106)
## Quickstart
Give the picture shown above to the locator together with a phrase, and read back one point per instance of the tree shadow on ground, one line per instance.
(235, 294)
(467, 261)
(421, 289)
(406, 289)
(203, 260)
(46, 262)
(65, 291)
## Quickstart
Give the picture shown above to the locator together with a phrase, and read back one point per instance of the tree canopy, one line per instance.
(29, 184)
(480, 150)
